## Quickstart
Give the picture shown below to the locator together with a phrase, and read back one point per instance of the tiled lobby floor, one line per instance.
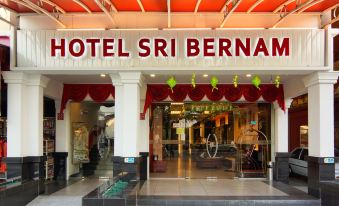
(69, 196)
(201, 187)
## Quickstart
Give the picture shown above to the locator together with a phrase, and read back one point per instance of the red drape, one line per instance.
(269, 92)
(78, 92)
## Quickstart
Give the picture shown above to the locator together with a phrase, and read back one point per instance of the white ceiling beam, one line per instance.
(332, 7)
(281, 6)
(111, 5)
(103, 8)
(301, 6)
(26, 5)
(309, 6)
(9, 9)
(47, 13)
(197, 6)
(225, 6)
(257, 3)
(84, 6)
(325, 26)
(8, 22)
(141, 6)
(168, 13)
(226, 17)
(54, 5)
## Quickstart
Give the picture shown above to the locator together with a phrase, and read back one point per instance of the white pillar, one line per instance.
(127, 113)
(118, 114)
(281, 127)
(321, 113)
(25, 113)
(35, 113)
(16, 110)
(131, 113)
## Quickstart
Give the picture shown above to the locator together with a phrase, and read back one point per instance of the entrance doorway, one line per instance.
(209, 140)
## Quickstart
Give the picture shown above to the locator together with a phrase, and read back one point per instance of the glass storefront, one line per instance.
(209, 140)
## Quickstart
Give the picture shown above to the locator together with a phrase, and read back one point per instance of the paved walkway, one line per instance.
(69, 196)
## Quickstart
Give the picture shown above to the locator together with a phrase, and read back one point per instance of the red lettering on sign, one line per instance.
(93, 43)
(239, 45)
(121, 53)
(192, 47)
(72, 45)
(60, 47)
(209, 45)
(261, 47)
(224, 47)
(144, 44)
(160, 46)
(283, 49)
(107, 46)
(173, 47)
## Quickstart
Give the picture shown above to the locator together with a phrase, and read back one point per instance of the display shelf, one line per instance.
(49, 146)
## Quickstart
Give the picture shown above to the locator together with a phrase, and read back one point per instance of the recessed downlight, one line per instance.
(152, 75)
(248, 75)
(205, 75)
(103, 75)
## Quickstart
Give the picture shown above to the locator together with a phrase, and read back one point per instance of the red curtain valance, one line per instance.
(78, 92)
(269, 92)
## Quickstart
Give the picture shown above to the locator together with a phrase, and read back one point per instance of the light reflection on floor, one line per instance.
(181, 168)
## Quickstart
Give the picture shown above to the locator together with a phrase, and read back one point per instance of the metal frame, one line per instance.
(225, 6)
(168, 13)
(336, 18)
(54, 5)
(84, 6)
(281, 6)
(53, 16)
(310, 5)
(26, 5)
(254, 5)
(104, 9)
(197, 6)
(283, 15)
(228, 14)
(141, 6)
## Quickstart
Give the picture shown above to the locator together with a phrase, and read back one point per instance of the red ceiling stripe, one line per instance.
(176, 5)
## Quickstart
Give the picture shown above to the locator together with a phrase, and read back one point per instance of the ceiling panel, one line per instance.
(183, 6)
(155, 5)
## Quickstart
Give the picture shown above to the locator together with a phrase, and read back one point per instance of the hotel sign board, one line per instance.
(172, 49)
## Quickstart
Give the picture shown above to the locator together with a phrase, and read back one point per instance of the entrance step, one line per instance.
(210, 202)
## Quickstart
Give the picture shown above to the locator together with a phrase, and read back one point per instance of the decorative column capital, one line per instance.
(116, 80)
(288, 103)
(132, 78)
(321, 78)
(11, 77)
(37, 80)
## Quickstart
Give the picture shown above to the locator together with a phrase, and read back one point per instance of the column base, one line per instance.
(60, 165)
(143, 165)
(281, 167)
(121, 165)
(318, 171)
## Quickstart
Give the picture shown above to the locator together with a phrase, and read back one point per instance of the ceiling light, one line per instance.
(82, 29)
(177, 103)
(103, 75)
(175, 112)
(152, 75)
(205, 75)
(248, 75)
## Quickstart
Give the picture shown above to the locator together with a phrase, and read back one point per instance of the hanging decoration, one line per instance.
(171, 82)
(214, 83)
(193, 80)
(277, 81)
(256, 81)
(235, 81)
